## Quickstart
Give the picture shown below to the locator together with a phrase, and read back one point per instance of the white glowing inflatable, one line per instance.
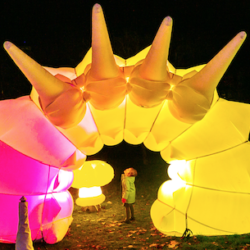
(72, 113)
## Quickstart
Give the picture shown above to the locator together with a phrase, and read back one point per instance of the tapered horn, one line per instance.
(208, 78)
(154, 65)
(47, 86)
(103, 62)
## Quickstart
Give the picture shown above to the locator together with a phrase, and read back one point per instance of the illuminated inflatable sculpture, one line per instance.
(89, 178)
(72, 113)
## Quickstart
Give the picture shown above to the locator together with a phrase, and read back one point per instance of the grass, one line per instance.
(104, 229)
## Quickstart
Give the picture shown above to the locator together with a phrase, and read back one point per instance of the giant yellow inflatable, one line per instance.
(72, 112)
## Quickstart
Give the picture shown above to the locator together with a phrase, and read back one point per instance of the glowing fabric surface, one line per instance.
(72, 113)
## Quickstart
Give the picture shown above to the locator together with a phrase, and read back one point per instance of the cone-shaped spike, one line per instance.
(154, 66)
(208, 78)
(23, 240)
(103, 62)
(47, 86)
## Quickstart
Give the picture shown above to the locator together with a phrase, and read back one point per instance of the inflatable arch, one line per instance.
(72, 112)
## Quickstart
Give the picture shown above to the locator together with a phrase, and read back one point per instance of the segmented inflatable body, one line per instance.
(72, 113)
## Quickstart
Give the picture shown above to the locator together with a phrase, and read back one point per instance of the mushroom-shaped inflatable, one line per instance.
(72, 112)
(89, 179)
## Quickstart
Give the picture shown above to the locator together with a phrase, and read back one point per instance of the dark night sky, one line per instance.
(58, 33)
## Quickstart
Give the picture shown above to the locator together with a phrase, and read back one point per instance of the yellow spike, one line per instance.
(208, 78)
(154, 65)
(103, 62)
(47, 86)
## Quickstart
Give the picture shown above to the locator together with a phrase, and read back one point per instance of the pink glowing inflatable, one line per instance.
(35, 170)
(72, 113)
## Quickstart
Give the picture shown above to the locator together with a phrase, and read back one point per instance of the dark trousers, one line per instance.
(129, 211)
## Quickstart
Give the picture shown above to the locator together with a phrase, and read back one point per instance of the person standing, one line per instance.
(128, 193)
